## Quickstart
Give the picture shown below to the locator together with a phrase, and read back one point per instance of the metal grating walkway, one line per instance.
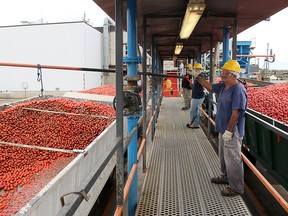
(181, 163)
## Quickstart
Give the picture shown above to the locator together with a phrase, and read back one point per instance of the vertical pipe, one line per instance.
(152, 86)
(215, 60)
(248, 69)
(132, 159)
(199, 55)
(132, 120)
(119, 102)
(211, 81)
(225, 44)
(131, 36)
(234, 45)
(144, 69)
(106, 25)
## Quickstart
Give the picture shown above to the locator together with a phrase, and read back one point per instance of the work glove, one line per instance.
(227, 136)
(194, 73)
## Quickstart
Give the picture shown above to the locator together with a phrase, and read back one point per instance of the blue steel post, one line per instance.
(157, 87)
(211, 78)
(152, 86)
(234, 44)
(199, 56)
(132, 159)
(225, 44)
(248, 69)
(144, 107)
(132, 60)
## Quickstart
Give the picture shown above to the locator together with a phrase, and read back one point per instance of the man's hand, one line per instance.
(227, 136)
(194, 73)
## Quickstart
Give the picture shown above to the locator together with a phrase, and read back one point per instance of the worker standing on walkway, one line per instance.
(197, 99)
(186, 88)
(230, 122)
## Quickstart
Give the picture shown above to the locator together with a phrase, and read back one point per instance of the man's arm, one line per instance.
(201, 80)
(233, 120)
(227, 136)
(204, 83)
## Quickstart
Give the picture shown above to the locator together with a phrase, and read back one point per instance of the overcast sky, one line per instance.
(12, 12)
(274, 33)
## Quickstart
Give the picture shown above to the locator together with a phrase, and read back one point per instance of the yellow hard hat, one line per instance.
(232, 65)
(198, 66)
(189, 65)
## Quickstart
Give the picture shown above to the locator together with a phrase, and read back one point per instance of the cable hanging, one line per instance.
(40, 79)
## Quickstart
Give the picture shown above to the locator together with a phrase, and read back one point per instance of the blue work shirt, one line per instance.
(197, 89)
(233, 98)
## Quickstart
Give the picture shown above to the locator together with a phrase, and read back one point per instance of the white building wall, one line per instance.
(61, 44)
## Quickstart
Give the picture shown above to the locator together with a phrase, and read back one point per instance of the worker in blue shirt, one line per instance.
(186, 88)
(197, 100)
(230, 122)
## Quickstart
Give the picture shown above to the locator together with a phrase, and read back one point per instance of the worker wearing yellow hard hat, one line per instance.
(189, 66)
(198, 66)
(230, 123)
(197, 100)
(233, 67)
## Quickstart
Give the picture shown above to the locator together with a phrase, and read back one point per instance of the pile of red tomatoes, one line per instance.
(271, 100)
(55, 123)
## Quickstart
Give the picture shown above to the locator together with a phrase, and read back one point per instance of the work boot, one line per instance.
(192, 126)
(185, 108)
(218, 180)
(228, 192)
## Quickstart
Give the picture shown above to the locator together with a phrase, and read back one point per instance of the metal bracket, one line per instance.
(82, 193)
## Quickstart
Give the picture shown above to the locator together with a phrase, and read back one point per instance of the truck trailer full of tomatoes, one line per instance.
(50, 146)
(267, 130)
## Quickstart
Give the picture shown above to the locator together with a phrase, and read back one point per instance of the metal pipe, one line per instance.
(146, 134)
(254, 56)
(55, 67)
(153, 83)
(130, 137)
(119, 102)
(144, 109)
(119, 209)
(106, 28)
(234, 43)
(199, 55)
(80, 69)
(132, 120)
(208, 117)
(225, 44)
(211, 79)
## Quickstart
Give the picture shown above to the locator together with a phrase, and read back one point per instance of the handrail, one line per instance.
(207, 116)
(59, 67)
(55, 67)
(269, 187)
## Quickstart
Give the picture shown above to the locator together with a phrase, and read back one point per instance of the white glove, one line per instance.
(194, 73)
(227, 136)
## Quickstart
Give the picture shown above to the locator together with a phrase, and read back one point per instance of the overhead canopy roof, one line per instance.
(164, 18)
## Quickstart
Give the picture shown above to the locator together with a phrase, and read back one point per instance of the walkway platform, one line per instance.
(180, 166)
